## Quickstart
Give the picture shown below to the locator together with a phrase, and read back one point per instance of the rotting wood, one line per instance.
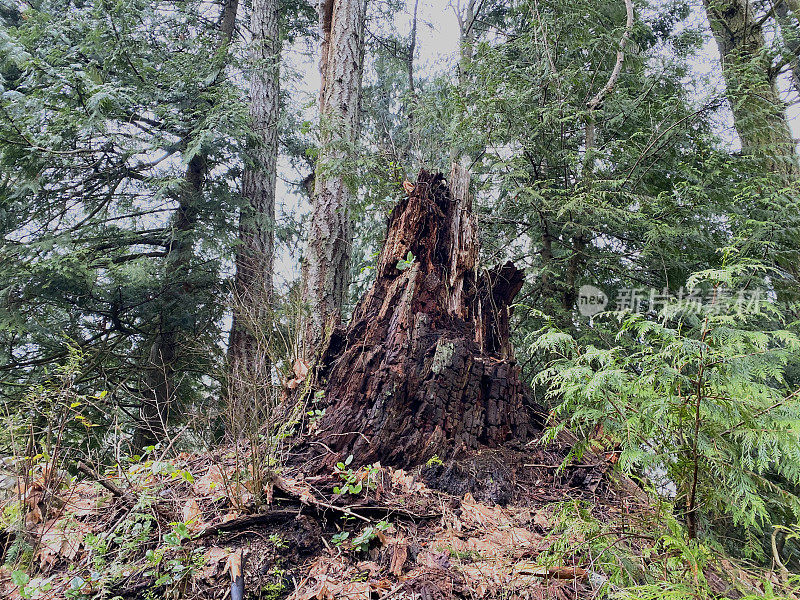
(361, 512)
(283, 515)
(425, 366)
(239, 523)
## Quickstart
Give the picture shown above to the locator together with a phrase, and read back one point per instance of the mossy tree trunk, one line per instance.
(758, 113)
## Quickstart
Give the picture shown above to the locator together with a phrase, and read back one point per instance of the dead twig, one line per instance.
(106, 483)
(570, 466)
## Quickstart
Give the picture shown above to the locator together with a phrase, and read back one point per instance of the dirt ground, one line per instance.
(489, 525)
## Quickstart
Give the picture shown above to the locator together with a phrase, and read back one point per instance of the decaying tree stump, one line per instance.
(425, 366)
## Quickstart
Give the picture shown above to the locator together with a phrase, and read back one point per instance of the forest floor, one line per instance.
(496, 524)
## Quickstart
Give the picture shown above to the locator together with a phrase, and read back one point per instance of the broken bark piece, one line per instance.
(425, 366)
(399, 555)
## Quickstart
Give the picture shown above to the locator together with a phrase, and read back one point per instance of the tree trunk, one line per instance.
(466, 37)
(161, 364)
(248, 353)
(466, 19)
(331, 235)
(412, 144)
(758, 113)
(787, 17)
(425, 366)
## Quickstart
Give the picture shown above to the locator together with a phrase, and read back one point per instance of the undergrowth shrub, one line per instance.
(697, 402)
(646, 555)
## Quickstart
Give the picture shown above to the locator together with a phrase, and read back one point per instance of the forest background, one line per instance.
(187, 212)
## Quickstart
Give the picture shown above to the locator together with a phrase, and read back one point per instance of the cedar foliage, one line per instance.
(697, 402)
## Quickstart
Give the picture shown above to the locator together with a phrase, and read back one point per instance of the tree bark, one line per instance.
(466, 19)
(758, 113)
(787, 17)
(331, 235)
(466, 37)
(248, 352)
(425, 366)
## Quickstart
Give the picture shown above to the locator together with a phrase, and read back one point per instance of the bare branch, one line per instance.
(623, 42)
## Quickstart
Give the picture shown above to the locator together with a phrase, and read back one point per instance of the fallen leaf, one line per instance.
(368, 566)
(382, 537)
(540, 519)
(434, 560)
(60, 540)
(406, 483)
(211, 484)
(85, 500)
(233, 564)
(300, 368)
(267, 492)
(192, 515)
(480, 515)
(294, 488)
(230, 516)
(213, 558)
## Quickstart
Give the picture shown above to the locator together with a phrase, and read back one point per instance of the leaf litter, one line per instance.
(299, 543)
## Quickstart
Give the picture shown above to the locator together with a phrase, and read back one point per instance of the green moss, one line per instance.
(273, 591)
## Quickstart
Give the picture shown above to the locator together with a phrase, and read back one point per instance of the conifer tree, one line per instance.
(342, 24)
(249, 370)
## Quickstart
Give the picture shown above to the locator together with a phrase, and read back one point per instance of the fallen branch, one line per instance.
(552, 572)
(388, 511)
(281, 516)
(268, 518)
(106, 483)
(305, 497)
(559, 466)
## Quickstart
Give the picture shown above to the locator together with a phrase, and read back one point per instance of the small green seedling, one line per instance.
(362, 541)
(340, 538)
(278, 541)
(405, 263)
(434, 461)
(354, 480)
